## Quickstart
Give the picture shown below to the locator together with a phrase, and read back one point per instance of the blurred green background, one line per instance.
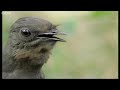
(91, 50)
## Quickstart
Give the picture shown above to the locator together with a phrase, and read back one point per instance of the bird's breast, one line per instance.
(34, 55)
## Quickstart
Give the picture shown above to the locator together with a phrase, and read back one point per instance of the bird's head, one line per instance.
(32, 37)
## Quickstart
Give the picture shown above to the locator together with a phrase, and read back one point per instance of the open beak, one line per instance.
(52, 35)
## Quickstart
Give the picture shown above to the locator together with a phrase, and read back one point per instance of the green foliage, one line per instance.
(100, 14)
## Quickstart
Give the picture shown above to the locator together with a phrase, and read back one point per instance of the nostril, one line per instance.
(53, 31)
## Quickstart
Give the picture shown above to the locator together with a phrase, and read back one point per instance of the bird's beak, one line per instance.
(52, 35)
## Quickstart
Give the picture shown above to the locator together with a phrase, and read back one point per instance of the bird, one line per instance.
(30, 43)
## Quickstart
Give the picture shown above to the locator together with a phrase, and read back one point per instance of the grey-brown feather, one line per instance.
(24, 59)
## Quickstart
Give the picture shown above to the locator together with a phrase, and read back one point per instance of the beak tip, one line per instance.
(62, 33)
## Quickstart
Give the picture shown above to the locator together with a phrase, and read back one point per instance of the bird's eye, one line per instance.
(25, 32)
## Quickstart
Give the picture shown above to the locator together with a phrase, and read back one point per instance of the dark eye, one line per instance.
(25, 32)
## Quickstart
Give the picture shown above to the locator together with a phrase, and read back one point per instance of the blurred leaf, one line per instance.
(97, 14)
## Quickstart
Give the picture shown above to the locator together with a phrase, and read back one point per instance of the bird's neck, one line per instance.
(26, 67)
(24, 63)
(21, 69)
(29, 72)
